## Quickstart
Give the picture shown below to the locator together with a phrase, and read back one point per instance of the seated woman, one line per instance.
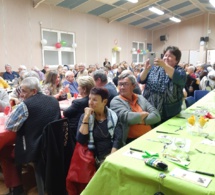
(74, 112)
(134, 111)
(99, 126)
(52, 86)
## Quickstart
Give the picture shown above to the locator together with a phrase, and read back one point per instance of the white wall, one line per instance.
(20, 34)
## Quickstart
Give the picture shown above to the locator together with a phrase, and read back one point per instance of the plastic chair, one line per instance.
(189, 101)
(198, 94)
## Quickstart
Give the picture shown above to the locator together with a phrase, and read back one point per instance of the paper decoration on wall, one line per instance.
(58, 45)
(43, 41)
(139, 51)
(116, 48)
(74, 45)
(63, 43)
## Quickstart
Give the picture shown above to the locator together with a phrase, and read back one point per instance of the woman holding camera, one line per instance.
(165, 81)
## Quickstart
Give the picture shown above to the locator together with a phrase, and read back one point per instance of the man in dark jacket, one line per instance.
(101, 80)
(28, 121)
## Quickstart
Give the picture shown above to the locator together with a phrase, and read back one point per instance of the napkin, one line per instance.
(190, 177)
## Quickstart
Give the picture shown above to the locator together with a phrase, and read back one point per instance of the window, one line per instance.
(138, 54)
(54, 56)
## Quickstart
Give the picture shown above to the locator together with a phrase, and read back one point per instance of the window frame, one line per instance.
(138, 43)
(69, 49)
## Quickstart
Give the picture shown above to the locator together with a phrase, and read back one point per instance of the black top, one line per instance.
(112, 92)
(42, 110)
(74, 112)
(10, 76)
(191, 82)
(102, 139)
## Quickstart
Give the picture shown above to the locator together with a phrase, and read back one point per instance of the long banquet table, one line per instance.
(121, 174)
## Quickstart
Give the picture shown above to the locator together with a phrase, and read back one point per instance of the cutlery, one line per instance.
(200, 151)
(137, 150)
(204, 152)
(167, 132)
(164, 148)
(174, 125)
(152, 140)
(182, 117)
(200, 172)
(188, 157)
(180, 128)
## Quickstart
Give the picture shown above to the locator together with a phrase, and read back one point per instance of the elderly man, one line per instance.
(101, 80)
(106, 62)
(4, 99)
(81, 70)
(70, 80)
(28, 121)
(134, 111)
(9, 74)
(45, 69)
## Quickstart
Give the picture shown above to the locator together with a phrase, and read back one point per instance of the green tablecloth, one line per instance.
(121, 174)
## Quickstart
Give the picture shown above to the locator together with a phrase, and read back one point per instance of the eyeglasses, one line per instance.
(123, 84)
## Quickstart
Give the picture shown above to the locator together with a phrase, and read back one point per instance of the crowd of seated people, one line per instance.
(199, 77)
(139, 95)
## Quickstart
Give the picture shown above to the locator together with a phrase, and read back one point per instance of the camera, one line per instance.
(151, 58)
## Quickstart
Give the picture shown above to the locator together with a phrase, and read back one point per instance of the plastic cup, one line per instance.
(75, 95)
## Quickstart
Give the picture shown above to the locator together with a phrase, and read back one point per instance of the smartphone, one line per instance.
(151, 58)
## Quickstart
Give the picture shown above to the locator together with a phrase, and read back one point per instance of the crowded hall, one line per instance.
(107, 97)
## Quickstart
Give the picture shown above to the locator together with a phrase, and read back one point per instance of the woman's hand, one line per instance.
(147, 65)
(85, 121)
(87, 112)
(61, 92)
(143, 115)
(159, 62)
(66, 89)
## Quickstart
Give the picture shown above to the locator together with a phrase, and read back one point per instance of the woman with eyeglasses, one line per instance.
(164, 82)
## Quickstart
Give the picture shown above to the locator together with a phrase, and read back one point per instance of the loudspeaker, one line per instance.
(163, 38)
(202, 39)
(206, 39)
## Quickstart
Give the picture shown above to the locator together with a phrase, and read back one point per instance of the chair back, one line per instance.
(198, 94)
(58, 147)
(189, 101)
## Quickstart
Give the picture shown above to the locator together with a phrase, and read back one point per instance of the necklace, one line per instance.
(101, 131)
(100, 121)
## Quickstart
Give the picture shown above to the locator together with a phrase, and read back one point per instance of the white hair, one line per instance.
(209, 69)
(23, 67)
(31, 83)
(68, 73)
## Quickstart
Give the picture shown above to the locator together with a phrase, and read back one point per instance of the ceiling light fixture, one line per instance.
(133, 1)
(174, 19)
(156, 10)
(212, 2)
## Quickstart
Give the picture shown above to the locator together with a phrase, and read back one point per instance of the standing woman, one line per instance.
(74, 112)
(99, 127)
(165, 81)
